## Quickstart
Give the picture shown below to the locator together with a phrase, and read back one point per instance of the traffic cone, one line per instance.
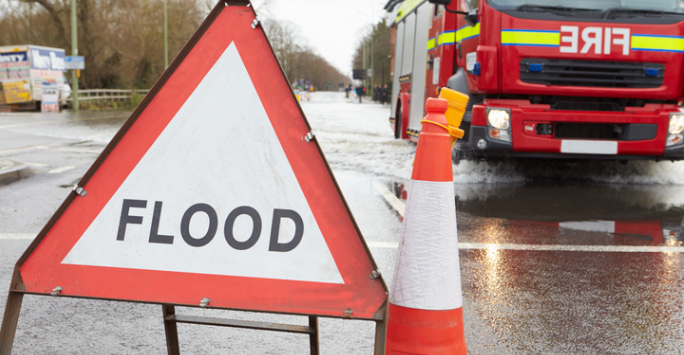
(425, 313)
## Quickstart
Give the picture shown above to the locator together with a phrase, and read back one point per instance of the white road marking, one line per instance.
(550, 247)
(31, 147)
(61, 169)
(392, 200)
(487, 246)
(80, 150)
(36, 123)
(51, 146)
(41, 165)
(25, 124)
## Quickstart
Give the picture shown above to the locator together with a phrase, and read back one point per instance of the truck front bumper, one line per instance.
(537, 131)
(477, 144)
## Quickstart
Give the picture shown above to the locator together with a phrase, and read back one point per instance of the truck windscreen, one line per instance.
(656, 12)
(585, 5)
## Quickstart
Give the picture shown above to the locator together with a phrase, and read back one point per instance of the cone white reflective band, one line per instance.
(427, 274)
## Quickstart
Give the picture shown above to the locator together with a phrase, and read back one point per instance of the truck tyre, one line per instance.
(455, 156)
(397, 122)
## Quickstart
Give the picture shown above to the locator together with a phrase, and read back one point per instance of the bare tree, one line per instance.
(299, 62)
(122, 40)
(286, 45)
(380, 51)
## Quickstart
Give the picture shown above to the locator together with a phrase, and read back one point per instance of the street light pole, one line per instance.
(372, 57)
(74, 52)
(166, 37)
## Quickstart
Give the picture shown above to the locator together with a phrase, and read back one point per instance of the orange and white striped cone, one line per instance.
(425, 314)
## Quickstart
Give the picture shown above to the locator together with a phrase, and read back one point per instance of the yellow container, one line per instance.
(454, 114)
(13, 92)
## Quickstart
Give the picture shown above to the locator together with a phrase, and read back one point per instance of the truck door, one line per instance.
(418, 75)
(468, 38)
(436, 44)
(398, 50)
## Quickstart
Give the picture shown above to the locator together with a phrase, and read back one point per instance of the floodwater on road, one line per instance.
(642, 200)
(556, 257)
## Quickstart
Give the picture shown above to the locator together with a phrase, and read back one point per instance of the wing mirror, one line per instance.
(470, 17)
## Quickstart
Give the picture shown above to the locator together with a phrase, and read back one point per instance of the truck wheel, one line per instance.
(397, 122)
(455, 156)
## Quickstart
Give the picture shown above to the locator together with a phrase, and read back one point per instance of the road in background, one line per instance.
(556, 257)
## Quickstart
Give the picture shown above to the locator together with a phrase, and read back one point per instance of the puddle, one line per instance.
(648, 213)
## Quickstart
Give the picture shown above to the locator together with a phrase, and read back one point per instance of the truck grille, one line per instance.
(605, 131)
(587, 130)
(591, 73)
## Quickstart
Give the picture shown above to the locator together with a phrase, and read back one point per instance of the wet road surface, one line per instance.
(576, 267)
(577, 259)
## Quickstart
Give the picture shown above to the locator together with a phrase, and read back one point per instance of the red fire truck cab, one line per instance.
(546, 78)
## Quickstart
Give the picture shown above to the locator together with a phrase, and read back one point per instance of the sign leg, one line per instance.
(381, 332)
(9, 322)
(380, 337)
(171, 330)
(313, 337)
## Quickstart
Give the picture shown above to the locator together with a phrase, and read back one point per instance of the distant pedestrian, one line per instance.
(384, 95)
(359, 92)
(376, 93)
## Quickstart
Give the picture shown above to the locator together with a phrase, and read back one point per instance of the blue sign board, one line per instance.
(74, 62)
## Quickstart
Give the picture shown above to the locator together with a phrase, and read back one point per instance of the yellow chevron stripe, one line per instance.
(530, 38)
(657, 43)
(467, 32)
(431, 44)
(447, 38)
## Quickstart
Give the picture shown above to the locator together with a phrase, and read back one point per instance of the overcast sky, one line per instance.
(331, 27)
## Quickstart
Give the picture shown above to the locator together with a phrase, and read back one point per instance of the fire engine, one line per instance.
(585, 79)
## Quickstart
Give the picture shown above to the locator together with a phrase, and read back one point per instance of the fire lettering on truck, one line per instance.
(596, 40)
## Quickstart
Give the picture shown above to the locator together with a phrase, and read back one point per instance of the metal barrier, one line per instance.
(108, 94)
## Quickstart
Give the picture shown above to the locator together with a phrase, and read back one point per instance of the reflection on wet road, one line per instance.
(620, 214)
(577, 303)
(629, 214)
(570, 267)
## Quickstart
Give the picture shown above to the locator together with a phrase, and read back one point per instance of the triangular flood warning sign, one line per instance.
(212, 190)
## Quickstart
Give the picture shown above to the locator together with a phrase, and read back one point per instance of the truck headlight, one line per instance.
(675, 129)
(676, 123)
(499, 121)
(499, 118)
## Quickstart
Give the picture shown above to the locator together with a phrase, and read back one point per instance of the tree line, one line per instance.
(374, 52)
(301, 63)
(123, 40)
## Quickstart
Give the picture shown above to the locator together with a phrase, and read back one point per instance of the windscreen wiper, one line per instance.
(558, 10)
(616, 11)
